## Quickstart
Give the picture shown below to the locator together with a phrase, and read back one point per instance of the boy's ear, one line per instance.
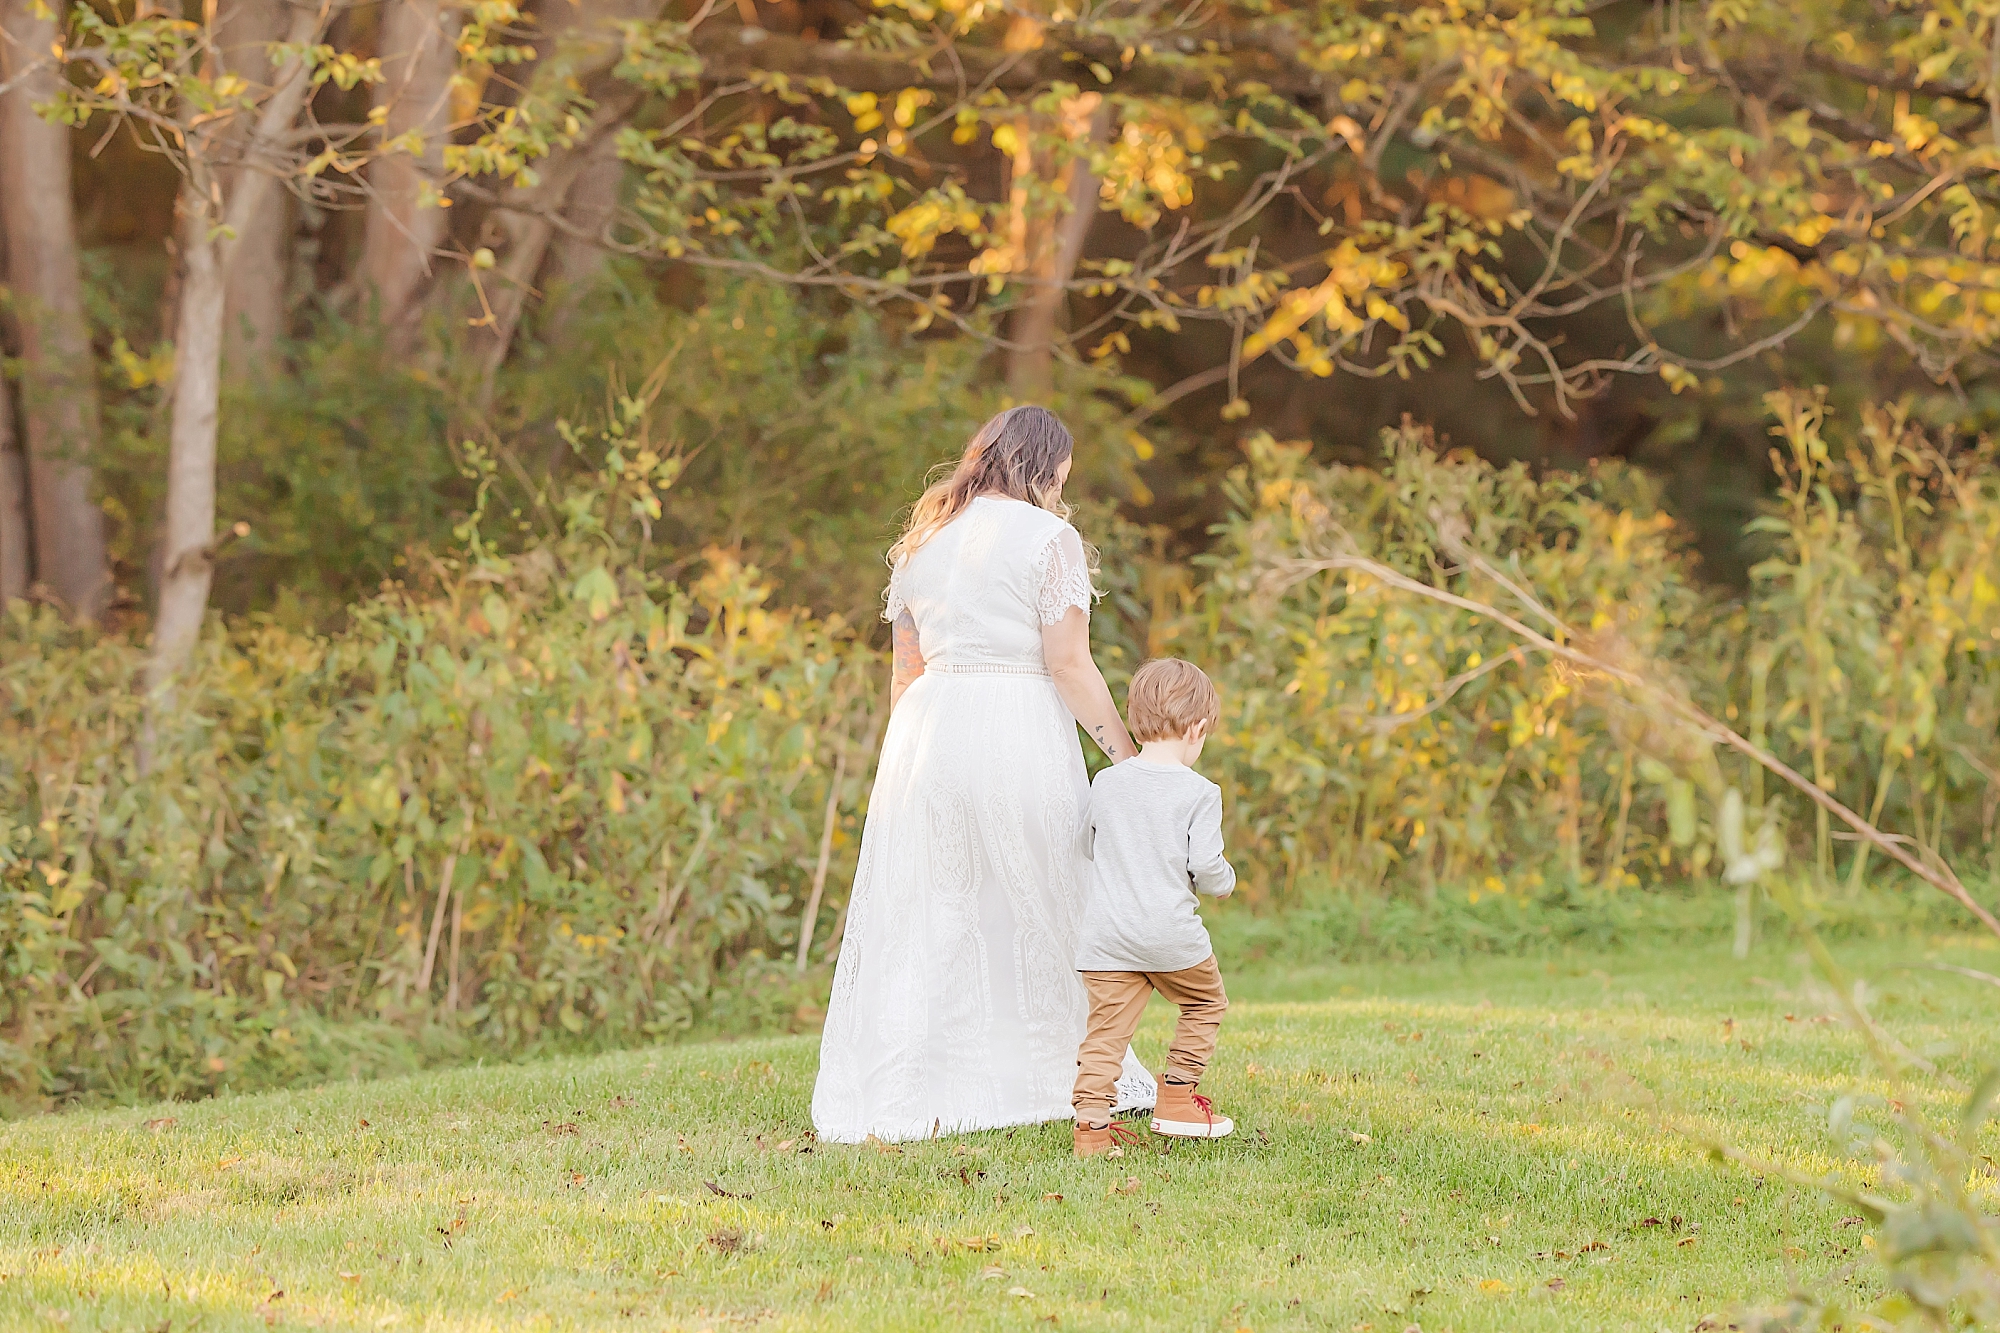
(1197, 733)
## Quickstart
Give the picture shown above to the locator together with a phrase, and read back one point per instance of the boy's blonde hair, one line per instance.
(1167, 697)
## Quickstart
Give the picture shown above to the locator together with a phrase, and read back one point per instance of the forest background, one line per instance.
(446, 452)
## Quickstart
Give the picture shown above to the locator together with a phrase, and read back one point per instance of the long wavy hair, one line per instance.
(1016, 454)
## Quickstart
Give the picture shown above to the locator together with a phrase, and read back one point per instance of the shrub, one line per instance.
(530, 799)
(1371, 739)
(1375, 742)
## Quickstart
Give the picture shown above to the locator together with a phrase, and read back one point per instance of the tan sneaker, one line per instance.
(1096, 1140)
(1184, 1113)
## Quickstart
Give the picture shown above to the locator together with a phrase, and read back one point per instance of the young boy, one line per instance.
(1156, 842)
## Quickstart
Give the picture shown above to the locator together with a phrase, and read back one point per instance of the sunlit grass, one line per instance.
(1451, 1146)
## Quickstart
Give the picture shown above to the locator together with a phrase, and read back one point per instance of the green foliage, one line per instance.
(804, 428)
(1371, 737)
(1374, 739)
(564, 784)
(1556, 918)
(528, 800)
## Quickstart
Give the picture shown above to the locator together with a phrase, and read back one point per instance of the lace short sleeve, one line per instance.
(1065, 578)
(893, 600)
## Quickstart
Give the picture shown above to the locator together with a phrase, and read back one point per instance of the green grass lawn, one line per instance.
(1459, 1146)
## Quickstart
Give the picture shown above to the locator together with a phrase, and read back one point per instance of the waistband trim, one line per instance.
(986, 669)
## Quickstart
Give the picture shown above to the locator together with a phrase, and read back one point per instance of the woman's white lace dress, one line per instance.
(956, 1005)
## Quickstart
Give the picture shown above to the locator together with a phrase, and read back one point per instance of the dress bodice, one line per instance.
(983, 587)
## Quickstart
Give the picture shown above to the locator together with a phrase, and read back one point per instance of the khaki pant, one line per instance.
(1117, 999)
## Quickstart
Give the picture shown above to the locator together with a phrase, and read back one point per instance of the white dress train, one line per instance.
(956, 1005)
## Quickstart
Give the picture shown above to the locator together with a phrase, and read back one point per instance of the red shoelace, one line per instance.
(1126, 1136)
(1123, 1135)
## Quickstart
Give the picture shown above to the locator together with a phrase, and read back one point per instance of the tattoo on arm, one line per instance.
(1110, 750)
(908, 648)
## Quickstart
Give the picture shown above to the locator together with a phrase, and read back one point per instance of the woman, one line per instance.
(955, 1003)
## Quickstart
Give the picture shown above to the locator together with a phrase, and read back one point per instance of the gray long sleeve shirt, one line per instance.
(1156, 842)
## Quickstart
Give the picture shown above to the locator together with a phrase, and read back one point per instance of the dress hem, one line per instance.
(942, 1130)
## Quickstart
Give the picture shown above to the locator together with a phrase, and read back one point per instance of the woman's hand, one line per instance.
(1066, 648)
(906, 657)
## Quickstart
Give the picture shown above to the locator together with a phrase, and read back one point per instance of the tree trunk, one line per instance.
(15, 533)
(59, 386)
(415, 97)
(254, 303)
(188, 545)
(579, 45)
(575, 263)
(528, 233)
(254, 323)
(1055, 247)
